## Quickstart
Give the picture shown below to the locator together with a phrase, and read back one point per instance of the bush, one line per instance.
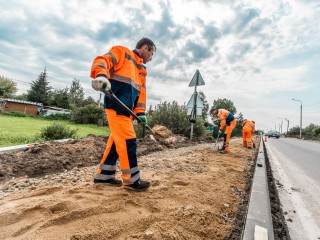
(57, 131)
(175, 118)
(88, 114)
(14, 114)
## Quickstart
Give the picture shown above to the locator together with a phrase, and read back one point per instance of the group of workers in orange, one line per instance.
(121, 72)
(228, 123)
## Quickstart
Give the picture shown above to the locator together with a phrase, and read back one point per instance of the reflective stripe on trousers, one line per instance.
(121, 145)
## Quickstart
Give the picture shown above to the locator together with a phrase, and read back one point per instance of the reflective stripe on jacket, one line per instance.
(225, 117)
(125, 70)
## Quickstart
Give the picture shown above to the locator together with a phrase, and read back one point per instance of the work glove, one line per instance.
(144, 120)
(101, 84)
(220, 132)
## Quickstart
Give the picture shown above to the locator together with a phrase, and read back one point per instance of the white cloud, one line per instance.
(245, 51)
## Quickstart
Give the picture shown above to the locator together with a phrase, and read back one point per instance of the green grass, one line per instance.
(23, 130)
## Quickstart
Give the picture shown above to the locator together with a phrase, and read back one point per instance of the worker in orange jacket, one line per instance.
(248, 128)
(122, 70)
(227, 124)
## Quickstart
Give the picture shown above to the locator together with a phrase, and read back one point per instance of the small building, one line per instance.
(14, 105)
(49, 110)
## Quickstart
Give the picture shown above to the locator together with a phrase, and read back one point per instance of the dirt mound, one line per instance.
(52, 157)
(195, 194)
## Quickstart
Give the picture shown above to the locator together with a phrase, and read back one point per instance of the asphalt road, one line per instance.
(296, 168)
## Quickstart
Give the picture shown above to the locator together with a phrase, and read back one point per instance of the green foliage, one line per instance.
(26, 129)
(76, 94)
(175, 118)
(88, 114)
(205, 108)
(89, 100)
(22, 97)
(14, 114)
(294, 131)
(7, 87)
(57, 131)
(7, 140)
(312, 130)
(60, 98)
(40, 90)
(237, 131)
(226, 104)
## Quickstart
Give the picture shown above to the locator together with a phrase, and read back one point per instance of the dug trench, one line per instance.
(47, 192)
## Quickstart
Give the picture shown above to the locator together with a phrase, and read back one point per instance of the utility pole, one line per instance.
(300, 116)
(287, 125)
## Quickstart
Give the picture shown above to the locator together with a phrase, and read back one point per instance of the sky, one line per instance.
(258, 54)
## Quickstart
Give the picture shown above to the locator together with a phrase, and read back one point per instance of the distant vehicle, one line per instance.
(274, 134)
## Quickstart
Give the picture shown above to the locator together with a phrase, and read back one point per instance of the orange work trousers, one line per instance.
(247, 137)
(227, 132)
(121, 145)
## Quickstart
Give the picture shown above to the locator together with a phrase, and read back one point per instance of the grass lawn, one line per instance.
(23, 130)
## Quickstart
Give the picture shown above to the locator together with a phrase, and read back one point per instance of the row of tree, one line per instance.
(41, 91)
(312, 131)
(86, 110)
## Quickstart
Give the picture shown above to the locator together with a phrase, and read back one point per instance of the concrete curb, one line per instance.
(259, 220)
(26, 146)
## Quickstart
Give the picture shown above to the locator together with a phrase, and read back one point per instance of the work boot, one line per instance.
(110, 182)
(222, 151)
(138, 186)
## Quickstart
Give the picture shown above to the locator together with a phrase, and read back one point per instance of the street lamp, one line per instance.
(287, 125)
(300, 115)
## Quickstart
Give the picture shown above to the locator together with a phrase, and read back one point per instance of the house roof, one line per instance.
(21, 101)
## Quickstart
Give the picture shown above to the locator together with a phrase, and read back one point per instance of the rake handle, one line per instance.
(111, 95)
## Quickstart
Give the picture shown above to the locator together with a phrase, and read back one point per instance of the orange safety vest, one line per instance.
(225, 117)
(125, 70)
(247, 124)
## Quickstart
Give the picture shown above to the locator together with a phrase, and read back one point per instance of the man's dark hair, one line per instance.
(146, 41)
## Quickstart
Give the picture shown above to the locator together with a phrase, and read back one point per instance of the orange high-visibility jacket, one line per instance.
(125, 70)
(247, 124)
(225, 117)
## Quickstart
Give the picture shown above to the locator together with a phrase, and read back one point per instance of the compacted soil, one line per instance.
(47, 192)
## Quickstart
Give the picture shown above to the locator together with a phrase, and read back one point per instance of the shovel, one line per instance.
(215, 146)
(111, 95)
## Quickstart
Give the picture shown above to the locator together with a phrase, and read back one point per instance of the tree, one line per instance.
(23, 97)
(40, 90)
(238, 129)
(205, 108)
(226, 104)
(223, 103)
(60, 98)
(175, 118)
(76, 93)
(7, 87)
(89, 100)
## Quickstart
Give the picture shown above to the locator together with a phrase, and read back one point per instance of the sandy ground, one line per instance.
(195, 193)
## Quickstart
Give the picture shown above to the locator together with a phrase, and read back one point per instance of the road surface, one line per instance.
(296, 168)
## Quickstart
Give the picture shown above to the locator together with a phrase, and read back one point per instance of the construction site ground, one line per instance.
(47, 192)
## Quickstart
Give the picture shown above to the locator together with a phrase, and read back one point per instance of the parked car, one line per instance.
(274, 134)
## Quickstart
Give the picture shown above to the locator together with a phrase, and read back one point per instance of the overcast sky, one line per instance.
(259, 54)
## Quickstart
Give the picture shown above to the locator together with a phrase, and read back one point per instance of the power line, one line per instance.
(312, 104)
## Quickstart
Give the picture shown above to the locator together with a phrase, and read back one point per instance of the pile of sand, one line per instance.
(195, 194)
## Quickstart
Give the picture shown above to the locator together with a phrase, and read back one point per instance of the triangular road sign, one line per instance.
(197, 80)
